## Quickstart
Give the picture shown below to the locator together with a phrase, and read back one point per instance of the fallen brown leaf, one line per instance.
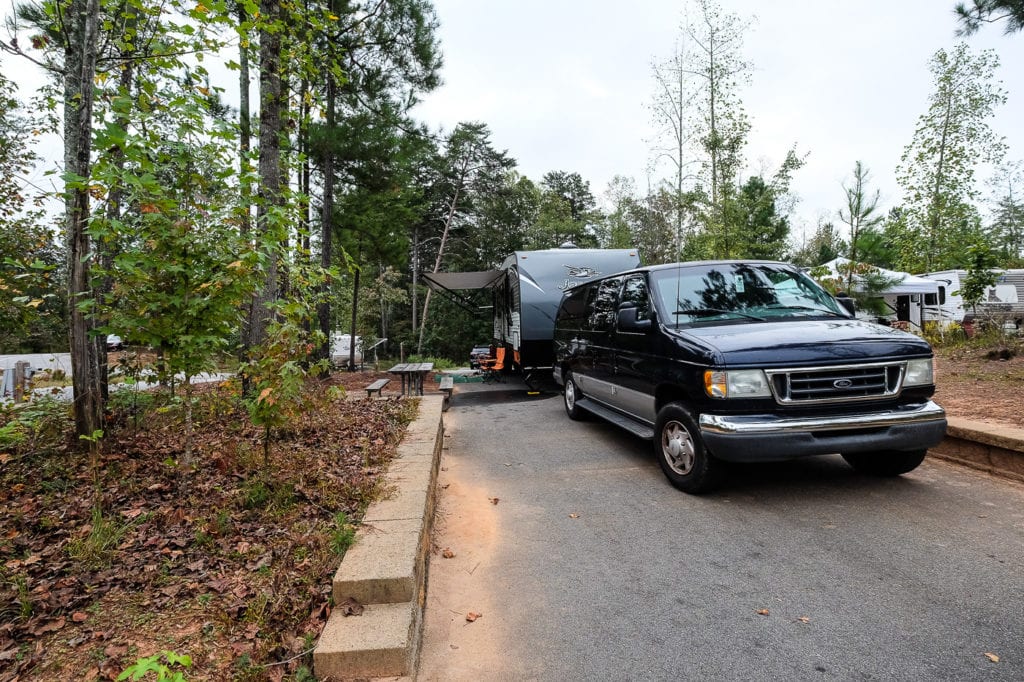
(350, 607)
(992, 657)
(470, 617)
(115, 650)
(493, 500)
(184, 546)
(804, 619)
(574, 516)
(51, 626)
(762, 612)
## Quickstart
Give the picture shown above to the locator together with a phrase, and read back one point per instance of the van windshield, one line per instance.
(720, 293)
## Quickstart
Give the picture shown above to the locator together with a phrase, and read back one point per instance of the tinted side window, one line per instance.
(602, 316)
(573, 310)
(635, 291)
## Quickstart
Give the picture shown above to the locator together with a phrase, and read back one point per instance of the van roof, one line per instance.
(687, 264)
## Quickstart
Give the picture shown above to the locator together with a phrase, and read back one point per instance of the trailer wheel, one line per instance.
(572, 395)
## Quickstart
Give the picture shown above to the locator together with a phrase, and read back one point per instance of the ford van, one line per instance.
(743, 361)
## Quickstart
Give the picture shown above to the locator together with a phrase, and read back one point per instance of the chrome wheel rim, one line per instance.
(570, 395)
(677, 447)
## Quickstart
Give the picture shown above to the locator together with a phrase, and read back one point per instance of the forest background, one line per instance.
(201, 227)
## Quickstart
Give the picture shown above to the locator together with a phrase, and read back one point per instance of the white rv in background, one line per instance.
(1004, 300)
(341, 349)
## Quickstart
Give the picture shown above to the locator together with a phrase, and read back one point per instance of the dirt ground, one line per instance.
(972, 385)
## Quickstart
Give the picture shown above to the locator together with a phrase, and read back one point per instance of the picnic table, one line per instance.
(412, 374)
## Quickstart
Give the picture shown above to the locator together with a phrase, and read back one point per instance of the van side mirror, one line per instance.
(628, 322)
(847, 303)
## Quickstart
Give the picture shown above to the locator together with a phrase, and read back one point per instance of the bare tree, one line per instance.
(698, 106)
(860, 211)
(938, 166)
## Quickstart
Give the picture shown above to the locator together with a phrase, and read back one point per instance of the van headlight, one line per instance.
(736, 383)
(919, 373)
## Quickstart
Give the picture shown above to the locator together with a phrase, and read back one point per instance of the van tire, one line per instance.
(681, 453)
(886, 462)
(571, 395)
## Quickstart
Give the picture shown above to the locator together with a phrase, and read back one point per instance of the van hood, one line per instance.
(804, 342)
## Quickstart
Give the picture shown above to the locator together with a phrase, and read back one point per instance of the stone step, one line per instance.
(382, 642)
(383, 566)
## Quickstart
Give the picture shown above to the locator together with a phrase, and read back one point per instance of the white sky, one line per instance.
(567, 84)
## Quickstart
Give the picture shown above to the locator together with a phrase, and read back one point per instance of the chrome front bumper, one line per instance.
(765, 437)
(768, 424)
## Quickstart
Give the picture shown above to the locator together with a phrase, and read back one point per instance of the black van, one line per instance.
(743, 361)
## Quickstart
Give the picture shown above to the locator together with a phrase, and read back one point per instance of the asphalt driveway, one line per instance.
(584, 563)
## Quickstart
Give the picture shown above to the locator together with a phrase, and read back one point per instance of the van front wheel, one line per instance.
(681, 453)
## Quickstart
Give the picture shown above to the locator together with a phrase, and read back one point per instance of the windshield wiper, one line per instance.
(823, 311)
(707, 312)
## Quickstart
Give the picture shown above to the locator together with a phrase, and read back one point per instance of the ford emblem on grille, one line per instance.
(842, 383)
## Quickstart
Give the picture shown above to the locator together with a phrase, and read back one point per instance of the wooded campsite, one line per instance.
(231, 183)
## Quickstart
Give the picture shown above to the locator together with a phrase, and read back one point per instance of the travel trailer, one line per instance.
(526, 291)
(341, 349)
(904, 297)
(1003, 302)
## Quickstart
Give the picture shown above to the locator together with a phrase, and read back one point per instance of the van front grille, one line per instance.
(837, 384)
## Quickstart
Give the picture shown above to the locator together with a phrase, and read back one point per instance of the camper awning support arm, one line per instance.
(464, 302)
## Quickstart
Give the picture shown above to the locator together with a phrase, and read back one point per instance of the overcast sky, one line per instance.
(567, 84)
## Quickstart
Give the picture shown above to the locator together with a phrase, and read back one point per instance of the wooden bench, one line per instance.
(446, 386)
(377, 386)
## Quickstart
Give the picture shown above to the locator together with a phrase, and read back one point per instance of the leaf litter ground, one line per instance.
(230, 563)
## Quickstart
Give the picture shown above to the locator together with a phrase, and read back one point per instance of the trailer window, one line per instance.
(936, 299)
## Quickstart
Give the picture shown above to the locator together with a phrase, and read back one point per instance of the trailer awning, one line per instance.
(453, 281)
(903, 282)
(449, 284)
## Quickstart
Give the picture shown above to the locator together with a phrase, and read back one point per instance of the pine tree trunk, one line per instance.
(271, 97)
(245, 187)
(323, 308)
(80, 69)
(352, 336)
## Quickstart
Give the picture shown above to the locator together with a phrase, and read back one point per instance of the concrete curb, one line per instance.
(385, 569)
(992, 448)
